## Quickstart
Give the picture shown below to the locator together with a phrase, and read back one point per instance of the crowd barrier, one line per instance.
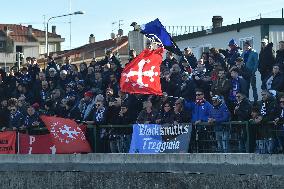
(238, 137)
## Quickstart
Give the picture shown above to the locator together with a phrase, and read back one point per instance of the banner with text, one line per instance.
(36, 144)
(168, 138)
(8, 142)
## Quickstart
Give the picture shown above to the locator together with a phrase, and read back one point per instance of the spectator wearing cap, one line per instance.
(233, 53)
(218, 114)
(52, 75)
(189, 57)
(86, 105)
(250, 57)
(266, 59)
(280, 56)
(275, 80)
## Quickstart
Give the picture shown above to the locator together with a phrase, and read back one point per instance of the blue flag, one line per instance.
(155, 30)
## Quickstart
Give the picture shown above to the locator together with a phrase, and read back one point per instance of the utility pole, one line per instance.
(70, 26)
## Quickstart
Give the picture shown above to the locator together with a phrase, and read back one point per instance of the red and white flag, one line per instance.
(142, 75)
(36, 144)
(8, 142)
(66, 135)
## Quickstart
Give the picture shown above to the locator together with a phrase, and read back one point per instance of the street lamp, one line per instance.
(46, 31)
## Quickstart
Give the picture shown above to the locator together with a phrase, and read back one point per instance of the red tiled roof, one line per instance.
(19, 33)
(98, 47)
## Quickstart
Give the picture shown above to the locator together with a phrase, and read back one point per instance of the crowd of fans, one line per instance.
(213, 88)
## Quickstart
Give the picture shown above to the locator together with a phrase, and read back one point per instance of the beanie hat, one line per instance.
(232, 43)
(89, 94)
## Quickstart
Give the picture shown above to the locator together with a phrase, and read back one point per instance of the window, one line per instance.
(243, 40)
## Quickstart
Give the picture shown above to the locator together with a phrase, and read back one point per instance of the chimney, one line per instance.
(53, 29)
(92, 38)
(217, 21)
(30, 30)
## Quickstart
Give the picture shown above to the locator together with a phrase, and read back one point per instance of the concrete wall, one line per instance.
(142, 171)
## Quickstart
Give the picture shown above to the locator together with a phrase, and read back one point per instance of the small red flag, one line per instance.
(142, 75)
(36, 144)
(8, 142)
(66, 135)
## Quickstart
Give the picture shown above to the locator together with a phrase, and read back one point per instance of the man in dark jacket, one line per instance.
(233, 53)
(266, 59)
(280, 56)
(189, 57)
(275, 81)
(268, 111)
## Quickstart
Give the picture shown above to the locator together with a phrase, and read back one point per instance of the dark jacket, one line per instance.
(16, 120)
(266, 59)
(244, 110)
(280, 59)
(277, 83)
(144, 116)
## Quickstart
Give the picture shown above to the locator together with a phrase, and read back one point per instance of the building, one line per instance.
(219, 36)
(21, 41)
(97, 50)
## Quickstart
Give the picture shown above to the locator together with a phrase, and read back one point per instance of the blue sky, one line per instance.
(100, 14)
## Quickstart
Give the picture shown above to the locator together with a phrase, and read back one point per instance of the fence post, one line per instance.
(95, 134)
(248, 137)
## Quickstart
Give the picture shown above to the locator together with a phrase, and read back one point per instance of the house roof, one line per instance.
(99, 47)
(238, 26)
(19, 33)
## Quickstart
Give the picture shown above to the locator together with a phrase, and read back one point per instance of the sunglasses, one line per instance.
(97, 105)
(199, 94)
(13, 110)
(281, 101)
